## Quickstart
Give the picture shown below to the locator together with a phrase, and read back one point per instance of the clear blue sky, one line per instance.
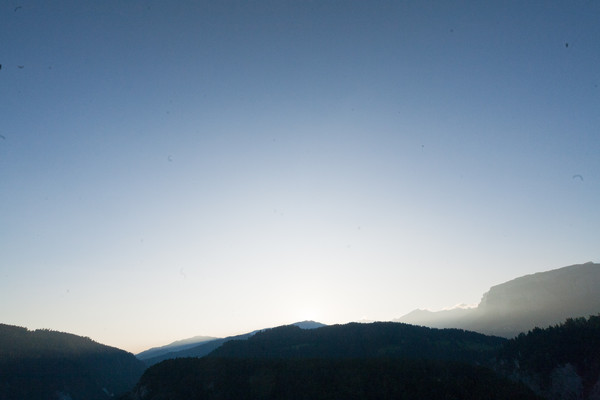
(171, 169)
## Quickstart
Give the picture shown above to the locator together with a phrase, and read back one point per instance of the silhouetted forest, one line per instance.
(352, 361)
(314, 379)
(45, 364)
(562, 361)
(385, 361)
(355, 340)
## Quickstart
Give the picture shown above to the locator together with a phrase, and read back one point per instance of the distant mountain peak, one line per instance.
(308, 324)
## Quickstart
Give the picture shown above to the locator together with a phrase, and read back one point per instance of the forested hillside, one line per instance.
(355, 340)
(45, 364)
(315, 379)
(353, 361)
(562, 361)
(385, 361)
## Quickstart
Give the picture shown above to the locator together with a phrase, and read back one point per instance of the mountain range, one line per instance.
(538, 300)
(387, 360)
(381, 360)
(553, 352)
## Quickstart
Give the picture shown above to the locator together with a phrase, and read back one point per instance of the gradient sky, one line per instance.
(172, 169)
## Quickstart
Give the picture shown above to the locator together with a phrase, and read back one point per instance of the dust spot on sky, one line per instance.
(20, 66)
(17, 8)
(170, 158)
(578, 177)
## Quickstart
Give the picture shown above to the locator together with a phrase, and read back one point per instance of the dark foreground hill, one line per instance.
(373, 340)
(559, 362)
(45, 364)
(314, 379)
(388, 361)
(353, 361)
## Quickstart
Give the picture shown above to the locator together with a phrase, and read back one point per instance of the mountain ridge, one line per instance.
(177, 345)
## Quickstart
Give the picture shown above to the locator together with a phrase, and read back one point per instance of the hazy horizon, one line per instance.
(169, 170)
(135, 349)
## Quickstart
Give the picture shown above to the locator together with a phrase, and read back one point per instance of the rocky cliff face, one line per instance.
(568, 289)
(540, 299)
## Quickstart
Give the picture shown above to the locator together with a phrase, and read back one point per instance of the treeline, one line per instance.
(46, 364)
(575, 341)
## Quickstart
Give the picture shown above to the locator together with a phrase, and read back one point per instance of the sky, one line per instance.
(173, 169)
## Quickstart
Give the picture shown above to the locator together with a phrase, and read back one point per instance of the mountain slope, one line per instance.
(45, 364)
(179, 345)
(538, 300)
(197, 351)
